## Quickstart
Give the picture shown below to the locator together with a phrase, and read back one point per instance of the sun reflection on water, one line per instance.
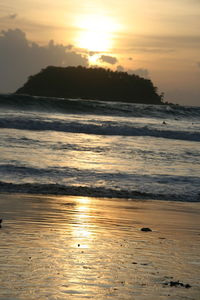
(80, 247)
(83, 200)
(81, 231)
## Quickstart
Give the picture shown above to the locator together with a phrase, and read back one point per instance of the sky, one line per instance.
(156, 39)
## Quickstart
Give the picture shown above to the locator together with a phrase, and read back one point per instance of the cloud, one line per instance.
(91, 53)
(188, 41)
(12, 16)
(157, 43)
(20, 58)
(108, 59)
(198, 64)
(8, 18)
(151, 50)
(140, 71)
(189, 1)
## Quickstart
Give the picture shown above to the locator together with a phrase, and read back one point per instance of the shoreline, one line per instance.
(96, 192)
(170, 213)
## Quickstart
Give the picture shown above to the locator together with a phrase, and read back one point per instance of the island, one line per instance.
(91, 83)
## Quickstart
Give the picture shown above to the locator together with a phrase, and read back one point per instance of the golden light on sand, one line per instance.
(81, 231)
(96, 33)
(83, 200)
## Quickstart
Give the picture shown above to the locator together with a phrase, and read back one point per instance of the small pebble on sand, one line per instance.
(145, 229)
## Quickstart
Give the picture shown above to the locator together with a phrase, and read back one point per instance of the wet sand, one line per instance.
(87, 248)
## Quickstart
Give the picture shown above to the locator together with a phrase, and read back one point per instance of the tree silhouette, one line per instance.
(91, 83)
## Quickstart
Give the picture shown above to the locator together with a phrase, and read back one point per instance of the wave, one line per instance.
(62, 105)
(106, 128)
(22, 171)
(57, 189)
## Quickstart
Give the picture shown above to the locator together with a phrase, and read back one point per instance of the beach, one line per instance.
(79, 180)
(73, 247)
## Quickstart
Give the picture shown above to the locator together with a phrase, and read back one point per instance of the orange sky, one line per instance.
(155, 38)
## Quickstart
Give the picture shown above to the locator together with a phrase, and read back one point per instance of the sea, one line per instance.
(96, 148)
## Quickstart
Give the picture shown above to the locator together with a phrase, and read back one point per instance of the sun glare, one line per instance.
(96, 33)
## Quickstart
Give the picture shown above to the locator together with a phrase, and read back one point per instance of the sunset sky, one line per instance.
(157, 39)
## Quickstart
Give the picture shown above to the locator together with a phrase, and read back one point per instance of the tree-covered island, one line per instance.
(91, 83)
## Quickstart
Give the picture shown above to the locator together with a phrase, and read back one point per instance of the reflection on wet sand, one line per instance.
(82, 247)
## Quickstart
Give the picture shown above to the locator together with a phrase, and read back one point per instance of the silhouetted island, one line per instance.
(91, 83)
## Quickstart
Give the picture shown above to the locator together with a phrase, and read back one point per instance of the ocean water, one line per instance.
(104, 149)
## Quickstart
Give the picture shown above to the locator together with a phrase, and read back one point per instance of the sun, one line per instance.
(96, 33)
(95, 41)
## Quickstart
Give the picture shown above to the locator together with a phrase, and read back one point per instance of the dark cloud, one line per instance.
(91, 53)
(20, 58)
(108, 59)
(198, 64)
(140, 71)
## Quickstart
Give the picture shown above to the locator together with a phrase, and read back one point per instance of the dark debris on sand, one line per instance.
(145, 229)
(178, 283)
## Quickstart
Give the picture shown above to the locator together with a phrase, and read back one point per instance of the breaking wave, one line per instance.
(57, 189)
(62, 105)
(107, 128)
